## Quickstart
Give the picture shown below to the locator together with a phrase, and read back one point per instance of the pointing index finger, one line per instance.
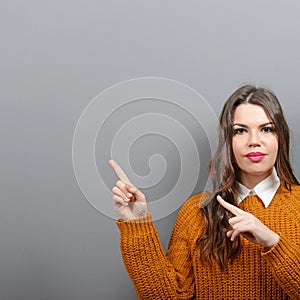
(233, 209)
(120, 173)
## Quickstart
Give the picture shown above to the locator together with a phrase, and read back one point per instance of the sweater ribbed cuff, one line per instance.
(280, 251)
(139, 226)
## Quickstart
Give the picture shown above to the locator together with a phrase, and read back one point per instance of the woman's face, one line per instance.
(254, 144)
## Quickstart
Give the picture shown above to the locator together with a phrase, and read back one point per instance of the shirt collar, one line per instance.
(265, 190)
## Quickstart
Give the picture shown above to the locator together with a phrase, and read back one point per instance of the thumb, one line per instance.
(137, 195)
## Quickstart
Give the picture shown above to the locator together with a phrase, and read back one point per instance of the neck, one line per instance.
(251, 180)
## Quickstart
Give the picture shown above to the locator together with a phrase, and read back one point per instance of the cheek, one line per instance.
(272, 148)
(235, 147)
(273, 144)
(275, 147)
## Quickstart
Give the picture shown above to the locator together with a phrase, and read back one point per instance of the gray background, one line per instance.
(58, 55)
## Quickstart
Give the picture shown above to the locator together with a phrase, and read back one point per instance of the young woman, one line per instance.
(240, 241)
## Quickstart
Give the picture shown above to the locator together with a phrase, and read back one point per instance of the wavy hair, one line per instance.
(213, 245)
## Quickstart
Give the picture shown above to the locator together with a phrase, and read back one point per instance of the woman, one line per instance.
(240, 241)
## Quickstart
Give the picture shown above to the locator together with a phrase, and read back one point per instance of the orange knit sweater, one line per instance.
(255, 274)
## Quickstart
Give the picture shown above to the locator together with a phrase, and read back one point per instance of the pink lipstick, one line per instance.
(255, 156)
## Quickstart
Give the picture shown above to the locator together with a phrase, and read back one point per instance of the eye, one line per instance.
(239, 130)
(267, 129)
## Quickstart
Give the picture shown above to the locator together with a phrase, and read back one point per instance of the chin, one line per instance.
(258, 171)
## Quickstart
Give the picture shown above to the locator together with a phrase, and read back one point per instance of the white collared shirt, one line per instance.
(265, 190)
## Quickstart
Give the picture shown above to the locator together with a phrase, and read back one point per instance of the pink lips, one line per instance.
(255, 156)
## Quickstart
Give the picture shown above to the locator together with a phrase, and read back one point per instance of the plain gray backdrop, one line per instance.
(56, 56)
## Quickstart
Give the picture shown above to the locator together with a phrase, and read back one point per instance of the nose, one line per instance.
(254, 140)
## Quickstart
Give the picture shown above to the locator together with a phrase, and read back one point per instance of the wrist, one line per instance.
(273, 241)
(136, 214)
(134, 219)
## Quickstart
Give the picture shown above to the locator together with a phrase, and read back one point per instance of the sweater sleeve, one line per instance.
(284, 261)
(154, 274)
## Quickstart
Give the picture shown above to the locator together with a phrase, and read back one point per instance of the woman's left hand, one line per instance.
(247, 225)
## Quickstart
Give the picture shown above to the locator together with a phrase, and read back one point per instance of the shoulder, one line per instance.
(189, 221)
(295, 196)
(290, 198)
(292, 192)
(191, 208)
(196, 200)
(296, 189)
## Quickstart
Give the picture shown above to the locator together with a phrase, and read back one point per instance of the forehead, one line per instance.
(250, 114)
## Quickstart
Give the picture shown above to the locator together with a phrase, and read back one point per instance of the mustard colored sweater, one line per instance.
(256, 273)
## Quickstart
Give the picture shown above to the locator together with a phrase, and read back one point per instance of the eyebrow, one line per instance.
(245, 126)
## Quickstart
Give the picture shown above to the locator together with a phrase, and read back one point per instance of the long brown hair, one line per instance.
(213, 244)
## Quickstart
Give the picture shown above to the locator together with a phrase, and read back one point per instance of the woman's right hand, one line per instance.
(128, 200)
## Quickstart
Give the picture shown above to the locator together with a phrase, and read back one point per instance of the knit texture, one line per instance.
(257, 273)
